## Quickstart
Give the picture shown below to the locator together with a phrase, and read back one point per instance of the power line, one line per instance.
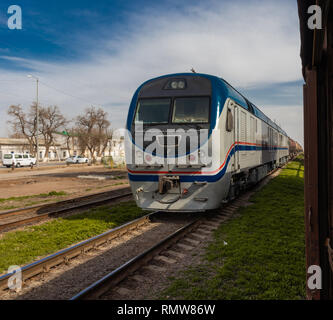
(70, 95)
(13, 80)
(56, 89)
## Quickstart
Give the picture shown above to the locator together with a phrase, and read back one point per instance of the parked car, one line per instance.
(77, 159)
(18, 159)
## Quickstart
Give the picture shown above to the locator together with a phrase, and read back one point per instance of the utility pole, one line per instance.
(37, 119)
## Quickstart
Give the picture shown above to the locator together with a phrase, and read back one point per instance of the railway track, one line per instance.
(172, 247)
(18, 217)
(192, 234)
(63, 256)
(111, 280)
(167, 251)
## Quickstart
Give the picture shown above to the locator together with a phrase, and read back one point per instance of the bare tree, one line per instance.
(25, 124)
(93, 131)
(16, 135)
(51, 120)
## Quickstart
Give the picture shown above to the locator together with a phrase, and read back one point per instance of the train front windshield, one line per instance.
(176, 111)
(191, 110)
(151, 111)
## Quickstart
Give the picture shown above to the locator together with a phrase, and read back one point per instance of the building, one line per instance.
(63, 148)
(10, 145)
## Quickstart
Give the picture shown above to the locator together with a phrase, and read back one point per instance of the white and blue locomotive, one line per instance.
(236, 144)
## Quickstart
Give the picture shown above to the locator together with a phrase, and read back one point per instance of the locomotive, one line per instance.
(194, 141)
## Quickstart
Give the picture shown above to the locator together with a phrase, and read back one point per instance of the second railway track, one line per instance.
(19, 217)
(75, 267)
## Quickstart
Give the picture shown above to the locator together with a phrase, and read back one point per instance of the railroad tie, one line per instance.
(198, 235)
(165, 259)
(221, 215)
(138, 277)
(123, 291)
(228, 211)
(204, 231)
(152, 267)
(192, 241)
(175, 254)
(185, 246)
(209, 225)
(217, 220)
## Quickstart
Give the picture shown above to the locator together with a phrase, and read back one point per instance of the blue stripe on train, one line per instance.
(202, 178)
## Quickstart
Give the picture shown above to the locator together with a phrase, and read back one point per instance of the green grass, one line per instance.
(265, 253)
(41, 195)
(23, 201)
(22, 247)
(109, 185)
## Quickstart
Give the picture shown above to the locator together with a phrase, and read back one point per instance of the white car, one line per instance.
(77, 159)
(18, 159)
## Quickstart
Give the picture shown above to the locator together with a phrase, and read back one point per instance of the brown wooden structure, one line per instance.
(317, 62)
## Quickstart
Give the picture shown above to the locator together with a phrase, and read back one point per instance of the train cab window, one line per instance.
(191, 110)
(230, 121)
(150, 111)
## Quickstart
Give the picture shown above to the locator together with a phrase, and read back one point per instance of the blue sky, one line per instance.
(98, 52)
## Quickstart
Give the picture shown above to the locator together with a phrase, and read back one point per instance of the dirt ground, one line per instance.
(72, 180)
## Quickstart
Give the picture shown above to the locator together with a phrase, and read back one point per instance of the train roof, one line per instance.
(231, 93)
(248, 105)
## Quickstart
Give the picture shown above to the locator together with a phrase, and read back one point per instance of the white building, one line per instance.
(10, 145)
(62, 148)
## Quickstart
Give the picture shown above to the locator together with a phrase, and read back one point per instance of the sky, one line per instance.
(98, 52)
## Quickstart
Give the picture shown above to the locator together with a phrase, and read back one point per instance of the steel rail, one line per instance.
(63, 256)
(116, 276)
(56, 212)
(98, 288)
(68, 201)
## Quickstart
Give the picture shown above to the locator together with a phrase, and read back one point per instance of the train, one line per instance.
(194, 141)
(294, 148)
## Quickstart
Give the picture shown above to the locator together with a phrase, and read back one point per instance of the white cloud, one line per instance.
(289, 118)
(248, 45)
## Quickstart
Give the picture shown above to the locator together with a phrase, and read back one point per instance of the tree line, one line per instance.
(89, 131)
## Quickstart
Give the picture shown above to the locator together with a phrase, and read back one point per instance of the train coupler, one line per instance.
(168, 183)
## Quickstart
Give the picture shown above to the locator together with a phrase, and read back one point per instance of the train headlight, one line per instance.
(148, 158)
(176, 84)
(181, 84)
(192, 158)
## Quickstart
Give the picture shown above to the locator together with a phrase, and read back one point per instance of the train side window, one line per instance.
(230, 121)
